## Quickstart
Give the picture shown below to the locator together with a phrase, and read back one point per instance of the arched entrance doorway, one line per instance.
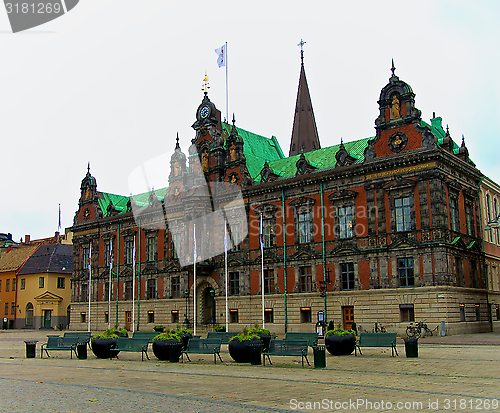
(208, 305)
(29, 315)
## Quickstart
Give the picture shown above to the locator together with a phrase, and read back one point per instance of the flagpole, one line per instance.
(90, 281)
(194, 278)
(227, 95)
(225, 270)
(133, 287)
(262, 268)
(109, 285)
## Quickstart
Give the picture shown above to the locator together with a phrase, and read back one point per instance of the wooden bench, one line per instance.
(376, 340)
(287, 348)
(312, 338)
(145, 334)
(203, 346)
(225, 337)
(59, 343)
(132, 344)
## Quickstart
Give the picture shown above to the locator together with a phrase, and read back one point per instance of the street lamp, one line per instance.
(186, 296)
(322, 289)
(212, 294)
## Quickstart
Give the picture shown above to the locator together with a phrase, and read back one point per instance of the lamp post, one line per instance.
(186, 296)
(212, 294)
(322, 289)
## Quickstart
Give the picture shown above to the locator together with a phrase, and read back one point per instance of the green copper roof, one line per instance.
(321, 159)
(257, 149)
(437, 130)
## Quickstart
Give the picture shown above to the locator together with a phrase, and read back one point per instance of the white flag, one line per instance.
(221, 60)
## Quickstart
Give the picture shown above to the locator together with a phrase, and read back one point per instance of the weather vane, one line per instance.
(205, 83)
(301, 44)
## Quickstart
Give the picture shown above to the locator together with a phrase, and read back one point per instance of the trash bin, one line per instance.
(411, 346)
(4, 326)
(81, 351)
(255, 353)
(319, 357)
(30, 349)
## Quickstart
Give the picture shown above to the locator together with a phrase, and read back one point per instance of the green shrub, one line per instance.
(167, 336)
(220, 329)
(340, 332)
(245, 335)
(111, 333)
(259, 330)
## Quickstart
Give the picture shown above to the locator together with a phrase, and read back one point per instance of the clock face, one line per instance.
(204, 112)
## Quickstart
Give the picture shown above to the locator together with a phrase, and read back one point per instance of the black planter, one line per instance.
(340, 345)
(101, 347)
(167, 350)
(240, 351)
(185, 338)
(266, 339)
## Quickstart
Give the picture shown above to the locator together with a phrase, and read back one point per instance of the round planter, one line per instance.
(185, 338)
(240, 351)
(167, 350)
(101, 347)
(266, 339)
(340, 345)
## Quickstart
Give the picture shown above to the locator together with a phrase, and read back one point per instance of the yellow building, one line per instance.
(11, 260)
(44, 288)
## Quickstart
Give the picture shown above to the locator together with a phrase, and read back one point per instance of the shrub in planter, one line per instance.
(239, 348)
(220, 329)
(263, 333)
(102, 343)
(340, 342)
(159, 328)
(185, 334)
(167, 346)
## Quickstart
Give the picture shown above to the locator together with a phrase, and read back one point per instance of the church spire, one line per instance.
(304, 132)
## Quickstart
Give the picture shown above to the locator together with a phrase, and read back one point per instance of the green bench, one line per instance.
(59, 343)
(203, 346)
(376, 340)
(287, 348)
(132, 344)
(145, 334)
(82, 336)
(312, 338)
(225, 337)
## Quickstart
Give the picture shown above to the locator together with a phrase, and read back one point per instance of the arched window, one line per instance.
(29, 315)
(488, 206)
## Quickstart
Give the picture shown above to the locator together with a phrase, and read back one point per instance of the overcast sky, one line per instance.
(113, 81)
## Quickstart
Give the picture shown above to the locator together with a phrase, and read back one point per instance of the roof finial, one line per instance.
(301, 44)
(234, 120)
(205, 84)
(463, 140)
(177, 146)
(88, 168)
(393, 68)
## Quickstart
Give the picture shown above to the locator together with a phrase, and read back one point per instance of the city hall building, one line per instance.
(386, 229)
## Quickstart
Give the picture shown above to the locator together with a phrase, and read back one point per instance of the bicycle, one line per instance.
(420, 329)
(379, 328)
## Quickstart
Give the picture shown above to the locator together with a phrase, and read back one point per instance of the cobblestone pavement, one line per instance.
(460, 375)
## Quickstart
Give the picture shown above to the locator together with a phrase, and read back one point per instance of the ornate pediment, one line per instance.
(48, 296)
(302, 201)
(150, 269)
(345, 249)
(402, 243)
(172, 266)
(234, 261)
(400, 184)
(458, 242)
(303, 254)
(454, 186)
(342, 194)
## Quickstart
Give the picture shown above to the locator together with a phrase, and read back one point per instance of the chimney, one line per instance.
(27, 239)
